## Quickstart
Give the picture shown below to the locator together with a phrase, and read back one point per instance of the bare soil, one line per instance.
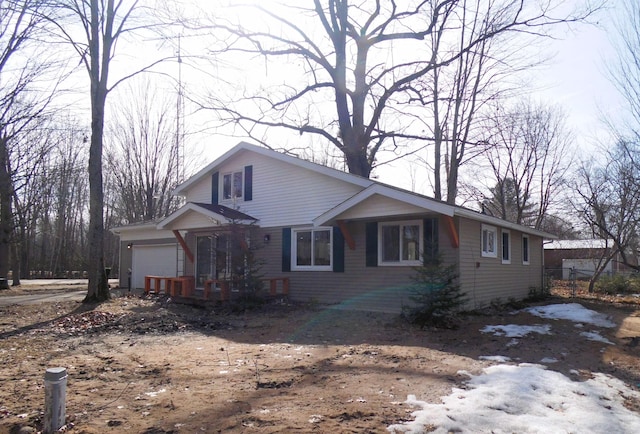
(155, 366)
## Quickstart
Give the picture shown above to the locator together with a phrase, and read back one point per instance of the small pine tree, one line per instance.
(245, 267)
(436, 295)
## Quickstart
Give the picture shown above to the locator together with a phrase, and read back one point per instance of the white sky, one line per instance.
(529, 398)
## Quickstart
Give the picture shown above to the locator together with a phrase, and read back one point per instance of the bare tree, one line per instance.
(529, 155)
(608, 193)
(143, 159)
(608, 201)
(624, 72)
(104, 23)
(351, 68)
(456, 94)
(22, 65)
(63, 236)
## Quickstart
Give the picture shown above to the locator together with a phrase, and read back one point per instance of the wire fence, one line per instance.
(572, 275)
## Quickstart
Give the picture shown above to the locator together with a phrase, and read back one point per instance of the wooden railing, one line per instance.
(273, 285)
(185, 286)
(181, 285)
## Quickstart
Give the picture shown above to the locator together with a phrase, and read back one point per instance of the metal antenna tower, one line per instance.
(179, 146)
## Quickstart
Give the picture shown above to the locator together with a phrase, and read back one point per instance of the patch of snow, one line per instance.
(572, 312)
(595, 336)
(501, 359)
(315, 418)
(527, 399)
(516, 331)
(549, 360)
(154, 394)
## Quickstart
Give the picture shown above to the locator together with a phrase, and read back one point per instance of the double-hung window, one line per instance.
(506, 247)
(232, 185)
(312, 249)
(525, 249)
(400, 243)
(489, 241)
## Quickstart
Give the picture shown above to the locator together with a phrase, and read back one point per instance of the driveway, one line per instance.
(52, 290)
(43, 297)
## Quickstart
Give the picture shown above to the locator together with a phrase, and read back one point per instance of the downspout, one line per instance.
(542, 280)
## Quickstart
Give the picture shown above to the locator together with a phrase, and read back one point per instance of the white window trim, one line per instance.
(508, 234)
(487, 253)
(294, 249)
(401, 263)
(232, 199)
(528, 261)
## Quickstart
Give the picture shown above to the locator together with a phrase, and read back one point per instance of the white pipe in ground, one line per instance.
(55, 396)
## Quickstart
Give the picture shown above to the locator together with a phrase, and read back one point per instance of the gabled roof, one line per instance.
(218, 214)
(426, 203)
(408, 197)
(370, 189)
(244, 146)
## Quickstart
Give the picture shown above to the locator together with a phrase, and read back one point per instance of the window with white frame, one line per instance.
(400, 243)
(489, 241)
(312, 249)
(525, 249)
(232, 185)
(506, 247)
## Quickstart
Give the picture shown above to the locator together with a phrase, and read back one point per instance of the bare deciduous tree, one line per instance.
(608, 201)
(351, 68)
(22, 64)
(143, 159)
(529, 155)
(456, 94)
(103, 23)
(625, 71)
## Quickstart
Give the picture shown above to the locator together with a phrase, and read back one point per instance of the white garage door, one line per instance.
(155, 260)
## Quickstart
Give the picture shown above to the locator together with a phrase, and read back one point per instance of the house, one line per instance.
(338, 238)
(581, 256)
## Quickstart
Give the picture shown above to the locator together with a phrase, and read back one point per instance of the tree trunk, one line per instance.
(98, 289)
(15, 261)
(6, 216)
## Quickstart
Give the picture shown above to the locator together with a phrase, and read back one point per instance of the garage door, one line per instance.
(155, 260)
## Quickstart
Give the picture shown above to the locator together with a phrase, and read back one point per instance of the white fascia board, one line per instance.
(430, 205)
(210, 168)
(474, 215)
(147, 231)
(134, 227)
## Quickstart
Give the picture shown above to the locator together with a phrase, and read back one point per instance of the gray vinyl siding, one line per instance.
(283, 194)
(381, 288)
(487, 279)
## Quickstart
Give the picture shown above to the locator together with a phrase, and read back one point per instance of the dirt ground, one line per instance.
(154, 366)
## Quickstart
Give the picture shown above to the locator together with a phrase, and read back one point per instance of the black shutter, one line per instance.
(338, 250)
(286, 249)
(215, 181)
(371, 248)
(430, 228)
(248, 183)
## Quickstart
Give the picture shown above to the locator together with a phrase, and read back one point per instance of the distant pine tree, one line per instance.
(509, 203)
